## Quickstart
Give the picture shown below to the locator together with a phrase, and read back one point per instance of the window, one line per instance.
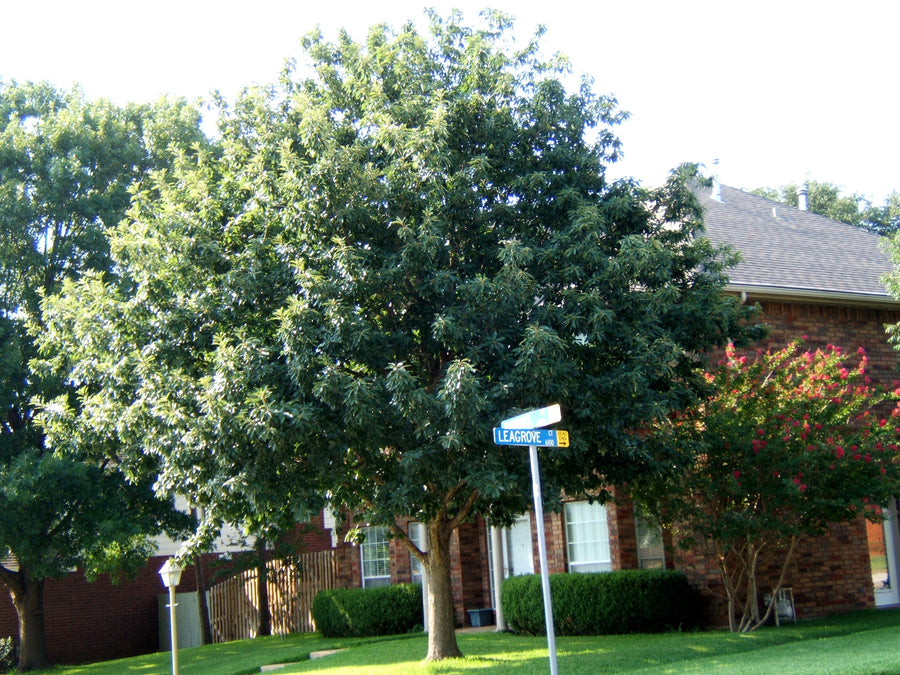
(375, 552)
(587, 537)
(417, 536)
(650, 551)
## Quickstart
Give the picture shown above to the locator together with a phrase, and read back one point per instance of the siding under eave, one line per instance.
(750, 293)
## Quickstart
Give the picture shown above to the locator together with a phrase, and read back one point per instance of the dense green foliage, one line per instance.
(788, 443)
(892, 281)
(67, 166)
(363, 612)
(383, 260)
(602, 603)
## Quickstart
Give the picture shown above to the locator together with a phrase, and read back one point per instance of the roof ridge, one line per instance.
(793, 212)
(797, 252)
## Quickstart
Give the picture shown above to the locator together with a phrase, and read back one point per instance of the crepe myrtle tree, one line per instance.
(389, 256)
(788, 443)
(66, 167)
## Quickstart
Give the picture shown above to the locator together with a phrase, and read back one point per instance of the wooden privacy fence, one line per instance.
(292, 586)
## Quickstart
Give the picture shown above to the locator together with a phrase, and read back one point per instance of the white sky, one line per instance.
(778, 91)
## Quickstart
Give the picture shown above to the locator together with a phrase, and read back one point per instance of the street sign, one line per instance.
(534, 419)
(544, 438)
(526, 429)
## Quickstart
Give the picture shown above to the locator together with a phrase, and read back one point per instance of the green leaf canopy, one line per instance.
(383, 260)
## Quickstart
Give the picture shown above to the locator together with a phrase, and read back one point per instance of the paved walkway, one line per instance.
(480, 629)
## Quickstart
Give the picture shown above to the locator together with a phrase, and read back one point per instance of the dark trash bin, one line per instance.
(481, 617)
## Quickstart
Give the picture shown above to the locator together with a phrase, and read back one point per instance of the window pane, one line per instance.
(650, 551)
(376, 557)
(587, 535)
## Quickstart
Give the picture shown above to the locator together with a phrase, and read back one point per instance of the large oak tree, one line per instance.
(390, 255)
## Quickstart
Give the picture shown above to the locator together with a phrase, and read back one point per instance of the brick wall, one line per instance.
(101, 621)
(313, 537)
(474, 582)
(848, 327)
(622, 533)
(829, 575)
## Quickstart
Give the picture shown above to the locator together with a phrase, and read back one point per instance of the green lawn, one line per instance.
(865, 643)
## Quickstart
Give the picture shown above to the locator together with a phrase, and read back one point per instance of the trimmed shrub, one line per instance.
(9, 656)
(602, 603)
(362, 612)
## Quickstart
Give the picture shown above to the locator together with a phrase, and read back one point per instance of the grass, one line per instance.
(230, 658)
(863, 643)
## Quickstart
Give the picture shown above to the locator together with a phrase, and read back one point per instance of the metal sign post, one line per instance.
(523, 430)
(542, 551)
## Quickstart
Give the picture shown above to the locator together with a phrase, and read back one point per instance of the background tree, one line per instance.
(885, 219)
(388, 258)
(66, 165)
(174, 358)
(176, 378)
(827, 199)
(786, 445)
(892, 281)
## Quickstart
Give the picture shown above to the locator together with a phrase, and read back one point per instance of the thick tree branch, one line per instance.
(15, 581)
(463, 513)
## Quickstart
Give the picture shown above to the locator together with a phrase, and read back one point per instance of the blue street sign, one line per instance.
(545, 438)
(534, 419)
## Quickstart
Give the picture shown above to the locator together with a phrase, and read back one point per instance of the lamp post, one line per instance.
(171, 575)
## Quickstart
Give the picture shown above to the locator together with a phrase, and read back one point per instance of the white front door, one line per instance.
(516, 556)
(519, 558)
(883, 542)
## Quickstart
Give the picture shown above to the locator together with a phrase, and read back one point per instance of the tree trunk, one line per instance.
(264, 614)
(772, 604)
(202, 606)
(441, 616)
(28, 600)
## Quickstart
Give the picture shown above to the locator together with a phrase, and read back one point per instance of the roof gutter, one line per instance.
(756, 292)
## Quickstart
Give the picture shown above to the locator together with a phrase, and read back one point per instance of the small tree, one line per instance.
(787, 444)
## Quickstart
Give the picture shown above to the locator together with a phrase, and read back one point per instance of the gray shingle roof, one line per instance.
(791, 252)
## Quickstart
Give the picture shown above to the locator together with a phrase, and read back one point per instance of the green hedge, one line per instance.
(627, 601)
(9, 656)
(361, 612)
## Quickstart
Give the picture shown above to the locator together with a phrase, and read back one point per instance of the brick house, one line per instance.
(811, 276)
(820, 278)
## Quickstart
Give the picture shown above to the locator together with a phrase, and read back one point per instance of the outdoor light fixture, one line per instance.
(171, 575)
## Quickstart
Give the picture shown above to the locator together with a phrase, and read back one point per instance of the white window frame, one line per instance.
(587, 537)
(375, 557)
